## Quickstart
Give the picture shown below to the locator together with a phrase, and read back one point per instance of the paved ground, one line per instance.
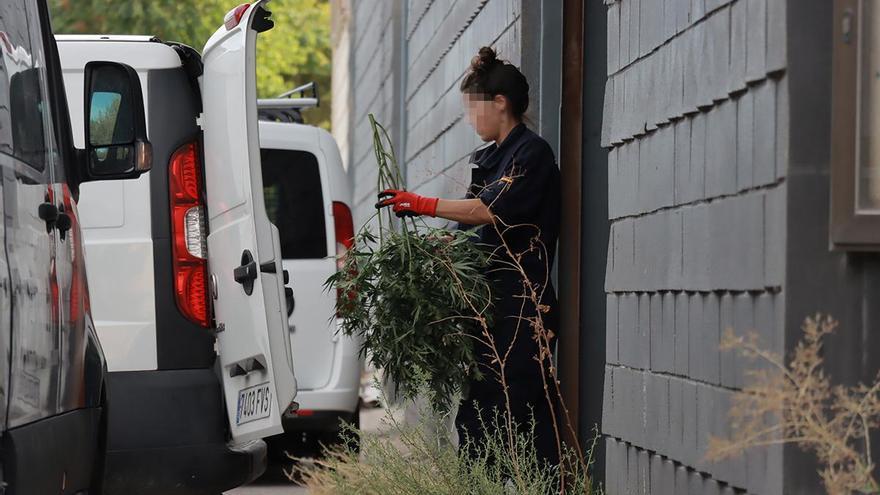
(275, 483)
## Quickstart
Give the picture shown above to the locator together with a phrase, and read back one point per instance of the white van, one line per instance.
(191, 307)
(308, 197)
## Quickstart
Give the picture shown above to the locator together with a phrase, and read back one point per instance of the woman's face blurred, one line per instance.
(486, 115)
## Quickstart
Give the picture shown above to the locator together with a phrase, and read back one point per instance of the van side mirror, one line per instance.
(115, 131)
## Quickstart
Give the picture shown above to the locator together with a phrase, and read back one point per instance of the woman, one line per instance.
(514, 200)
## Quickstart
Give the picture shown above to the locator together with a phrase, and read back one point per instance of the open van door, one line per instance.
(244, 254)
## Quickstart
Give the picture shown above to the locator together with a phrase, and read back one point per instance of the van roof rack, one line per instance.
(283, 108)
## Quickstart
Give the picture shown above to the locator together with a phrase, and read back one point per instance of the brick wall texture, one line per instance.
(696, 124)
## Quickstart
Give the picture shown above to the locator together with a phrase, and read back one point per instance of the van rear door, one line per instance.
(295, 179)
(244, 253)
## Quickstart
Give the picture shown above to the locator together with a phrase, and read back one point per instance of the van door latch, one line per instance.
(247, 272)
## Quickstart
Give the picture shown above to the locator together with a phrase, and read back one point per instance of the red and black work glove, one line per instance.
(407, 204)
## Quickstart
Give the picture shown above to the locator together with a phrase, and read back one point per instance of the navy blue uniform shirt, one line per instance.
(519, 182)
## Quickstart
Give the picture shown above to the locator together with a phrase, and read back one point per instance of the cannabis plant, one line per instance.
(417, 295)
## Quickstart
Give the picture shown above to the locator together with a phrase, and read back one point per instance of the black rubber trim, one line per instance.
(173, 109)
(61, 451)
(191, 470)
(167, 434)
(317, 421)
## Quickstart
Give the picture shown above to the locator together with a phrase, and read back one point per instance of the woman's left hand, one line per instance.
(407, 204)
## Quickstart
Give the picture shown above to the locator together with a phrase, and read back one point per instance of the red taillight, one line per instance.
(189, 235)
(233, 17)
(344, 225)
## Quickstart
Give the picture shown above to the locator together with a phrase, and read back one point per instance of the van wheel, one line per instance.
(336, 438)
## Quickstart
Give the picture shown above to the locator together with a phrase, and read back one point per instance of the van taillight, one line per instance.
(189, 235)
(344, 225)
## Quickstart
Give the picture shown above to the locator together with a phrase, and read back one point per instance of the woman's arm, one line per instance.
(466, 211)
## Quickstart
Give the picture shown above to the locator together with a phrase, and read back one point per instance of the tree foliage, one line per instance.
(296, 51)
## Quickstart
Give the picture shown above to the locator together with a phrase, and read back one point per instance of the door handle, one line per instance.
(48, 212)
(63, 223)
(247, 272)
(288, 298)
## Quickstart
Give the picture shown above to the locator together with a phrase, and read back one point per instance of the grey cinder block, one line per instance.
(721, 150)
(745, 131)
(611, 335)
(682, 311)
(756, 40)
(736, 79)
(765, 133)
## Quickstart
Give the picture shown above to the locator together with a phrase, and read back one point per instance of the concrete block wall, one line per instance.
(696, 124)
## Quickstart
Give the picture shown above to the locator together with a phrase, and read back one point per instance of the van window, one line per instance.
(24, 111)
(295, 202)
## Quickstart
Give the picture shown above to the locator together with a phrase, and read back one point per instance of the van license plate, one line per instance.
(254, 403)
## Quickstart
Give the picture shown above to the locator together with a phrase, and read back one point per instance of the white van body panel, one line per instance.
(116, 215)
(327, 363)
(253, 338)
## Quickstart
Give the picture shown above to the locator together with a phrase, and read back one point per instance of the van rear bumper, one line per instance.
(167, 435)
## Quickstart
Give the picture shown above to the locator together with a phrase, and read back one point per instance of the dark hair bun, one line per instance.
(484, 60)
(489, 77)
